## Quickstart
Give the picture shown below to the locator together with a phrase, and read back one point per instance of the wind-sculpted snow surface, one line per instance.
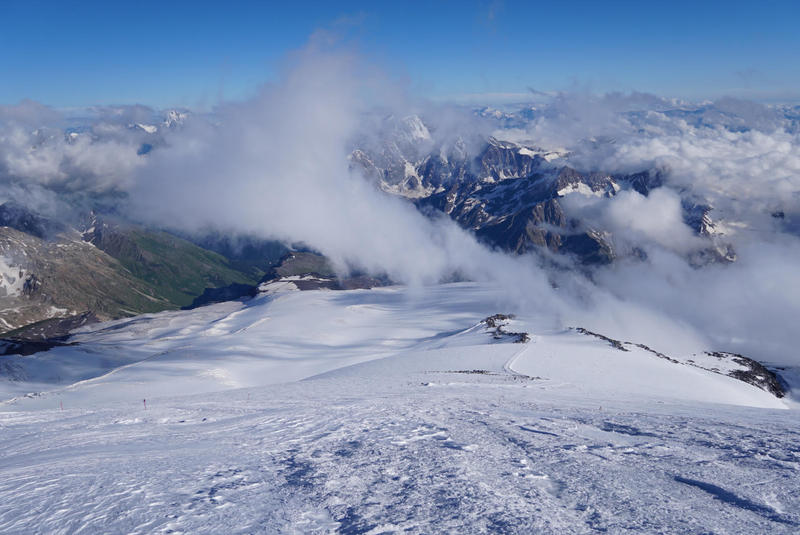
(370, 455)
(424, 453)
(412, 418)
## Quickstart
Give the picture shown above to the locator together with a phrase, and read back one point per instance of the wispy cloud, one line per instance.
(277, 166)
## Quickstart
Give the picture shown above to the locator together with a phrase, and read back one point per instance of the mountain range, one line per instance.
(109, 269)
(512, 195)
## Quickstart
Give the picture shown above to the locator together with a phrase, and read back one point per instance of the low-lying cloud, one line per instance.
(276, 166)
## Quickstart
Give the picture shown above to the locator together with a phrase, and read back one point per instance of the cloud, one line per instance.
(636, 221)
(741, 159)
(276, 166)
(743, 307)
(36, 151)
(739, 156)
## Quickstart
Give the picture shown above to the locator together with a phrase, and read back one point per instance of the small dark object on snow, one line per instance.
(494, 325)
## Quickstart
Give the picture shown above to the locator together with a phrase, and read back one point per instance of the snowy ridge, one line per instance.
(262, 341)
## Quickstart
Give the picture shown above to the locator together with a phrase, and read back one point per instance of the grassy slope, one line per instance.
(135, 271)
(73, 277)
(176, 269)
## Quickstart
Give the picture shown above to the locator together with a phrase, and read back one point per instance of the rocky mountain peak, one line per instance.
(21, 218)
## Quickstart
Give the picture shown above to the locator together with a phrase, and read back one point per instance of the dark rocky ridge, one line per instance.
(754, 373)
(43, 335)
(317, 272)
(16, 216)
(495, 326)
(510, 195)
(751, 372)
(305, 270)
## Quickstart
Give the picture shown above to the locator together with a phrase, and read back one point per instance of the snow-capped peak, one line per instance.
(416, 129)
(175, 118)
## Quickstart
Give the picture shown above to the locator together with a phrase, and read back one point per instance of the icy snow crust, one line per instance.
(386, 410)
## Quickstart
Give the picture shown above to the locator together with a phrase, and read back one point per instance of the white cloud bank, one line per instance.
(276, 166)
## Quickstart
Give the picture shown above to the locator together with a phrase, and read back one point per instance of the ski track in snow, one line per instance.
(444, 436)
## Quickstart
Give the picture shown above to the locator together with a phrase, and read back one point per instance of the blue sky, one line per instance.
(194, 53)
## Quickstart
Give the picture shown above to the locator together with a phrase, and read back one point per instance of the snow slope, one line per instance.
(388, 410)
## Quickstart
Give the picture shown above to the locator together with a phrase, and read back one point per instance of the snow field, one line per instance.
(385, 411)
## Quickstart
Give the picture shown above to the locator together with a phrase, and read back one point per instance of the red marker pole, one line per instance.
(145, 404)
